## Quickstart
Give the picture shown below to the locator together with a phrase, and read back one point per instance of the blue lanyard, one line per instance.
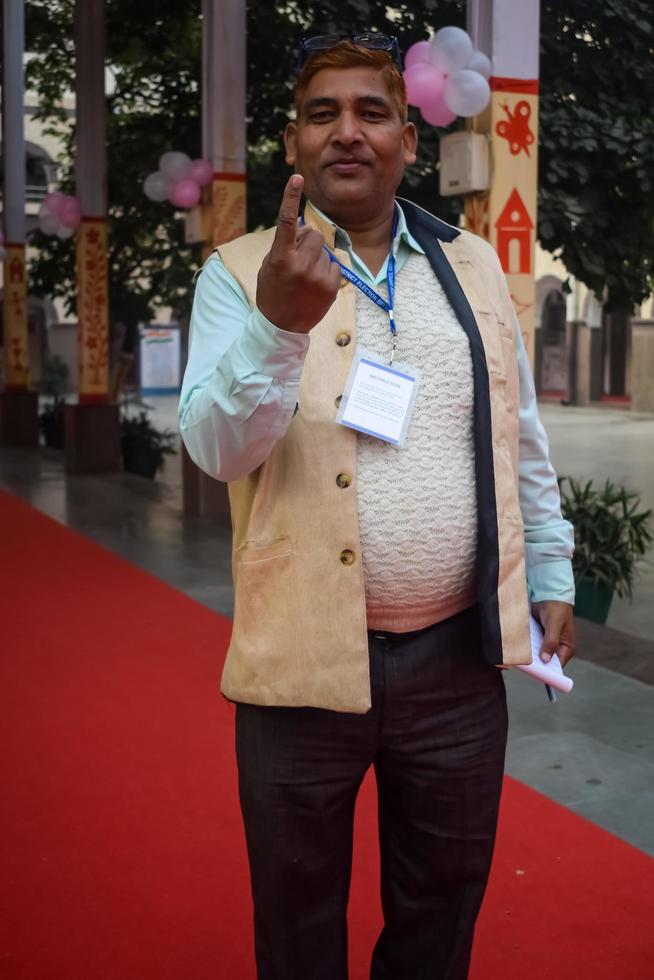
(368, 291)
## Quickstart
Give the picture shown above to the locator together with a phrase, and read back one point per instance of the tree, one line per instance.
(595, 200)
(153, 105)
(153, 54)
(596, 209)
(271, 70)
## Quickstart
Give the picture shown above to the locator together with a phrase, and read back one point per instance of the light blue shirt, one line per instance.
(241, 387)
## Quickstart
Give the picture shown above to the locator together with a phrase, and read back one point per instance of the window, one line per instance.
(40, 170)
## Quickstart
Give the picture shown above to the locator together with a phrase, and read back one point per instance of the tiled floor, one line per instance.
(592, 750)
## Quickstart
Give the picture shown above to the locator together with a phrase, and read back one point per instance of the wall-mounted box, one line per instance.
(464, 164)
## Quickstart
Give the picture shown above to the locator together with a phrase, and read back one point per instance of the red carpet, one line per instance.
(122, 851)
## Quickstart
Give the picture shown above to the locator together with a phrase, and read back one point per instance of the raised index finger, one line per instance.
(288, 214)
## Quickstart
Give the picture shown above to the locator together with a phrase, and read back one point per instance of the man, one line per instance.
(378, 583)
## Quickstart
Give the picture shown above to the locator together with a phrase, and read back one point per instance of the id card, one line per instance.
(379, 398)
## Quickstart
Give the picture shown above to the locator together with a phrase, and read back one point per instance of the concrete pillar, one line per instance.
(583, 365)
(642, 365)
(18, 405)
(223, 114)
(92, 426)
(223, 142)
(508, 32)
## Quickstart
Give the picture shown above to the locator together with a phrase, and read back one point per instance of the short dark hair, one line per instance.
(345, 54)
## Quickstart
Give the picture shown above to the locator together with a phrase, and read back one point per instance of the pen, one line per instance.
(550, 692)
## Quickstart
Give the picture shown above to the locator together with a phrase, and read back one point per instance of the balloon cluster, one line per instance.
(178, 180)
(59, 214)
(446, 77)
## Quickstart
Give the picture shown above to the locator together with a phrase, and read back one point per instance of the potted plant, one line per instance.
(54, 384)
(611, 538)
(144, 447)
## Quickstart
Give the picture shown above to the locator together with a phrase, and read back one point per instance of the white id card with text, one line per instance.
(379, 398)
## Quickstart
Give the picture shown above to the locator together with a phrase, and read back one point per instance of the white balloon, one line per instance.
(481, 63)
(174, 166)
(64, 232)
(44, 210)
(451, 49)
(466, 92)
(156, 186)
(49, 224)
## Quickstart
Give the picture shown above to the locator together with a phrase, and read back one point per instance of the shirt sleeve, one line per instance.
(549, 539)
(242, 378)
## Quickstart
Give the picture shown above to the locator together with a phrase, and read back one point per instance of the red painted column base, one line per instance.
(92, 438)
(19, 417)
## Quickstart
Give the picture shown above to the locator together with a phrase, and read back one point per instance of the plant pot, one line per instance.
(52, 426)
(142, 460)
(593, 601)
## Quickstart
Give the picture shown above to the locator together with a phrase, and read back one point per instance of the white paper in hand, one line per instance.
(549, 673)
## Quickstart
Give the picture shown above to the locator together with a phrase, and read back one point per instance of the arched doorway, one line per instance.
(553, 373)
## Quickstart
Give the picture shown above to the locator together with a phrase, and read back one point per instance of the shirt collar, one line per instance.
(342, 239)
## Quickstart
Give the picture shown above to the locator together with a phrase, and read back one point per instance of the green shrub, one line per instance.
(611, 534)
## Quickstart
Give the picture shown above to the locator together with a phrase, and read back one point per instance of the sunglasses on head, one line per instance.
(369, 39)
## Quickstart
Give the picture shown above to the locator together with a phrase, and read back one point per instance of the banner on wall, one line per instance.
(160, 360)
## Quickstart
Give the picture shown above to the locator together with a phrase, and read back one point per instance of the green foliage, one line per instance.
(139, 431)
(153, 104)
(611, 535)
(596, 206)
(271, 73)
(55, 379)
(154, 51)
(596, 194)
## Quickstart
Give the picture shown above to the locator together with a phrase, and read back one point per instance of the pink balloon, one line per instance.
(201, 172)
(184, 193)
(69, 212)
(417, 53)
(436, 113)
(54, 201)
(424, 83)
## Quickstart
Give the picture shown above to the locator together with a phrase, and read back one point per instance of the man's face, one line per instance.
(349, 142)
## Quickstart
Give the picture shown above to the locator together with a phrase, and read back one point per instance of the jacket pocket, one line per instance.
(251, 553)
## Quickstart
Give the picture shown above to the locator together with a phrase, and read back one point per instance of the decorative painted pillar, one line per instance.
(92, 428)
(508, 32)
(18, 405)
(16, 353)
(223, 118)
(91, 179)
(224, 205)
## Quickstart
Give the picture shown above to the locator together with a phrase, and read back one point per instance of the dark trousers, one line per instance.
(436, 735)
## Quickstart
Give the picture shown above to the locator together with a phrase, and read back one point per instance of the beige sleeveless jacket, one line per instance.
(299, 635)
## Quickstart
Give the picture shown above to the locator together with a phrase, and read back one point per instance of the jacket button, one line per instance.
(343, 339)
(343, 480)
(347, 556)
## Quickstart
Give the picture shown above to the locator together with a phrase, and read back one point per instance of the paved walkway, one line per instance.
(592, 750)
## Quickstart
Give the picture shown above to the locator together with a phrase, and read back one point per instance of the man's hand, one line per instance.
(557, 620)
(297, 283)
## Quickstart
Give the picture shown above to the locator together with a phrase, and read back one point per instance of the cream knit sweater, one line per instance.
(417, 503)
